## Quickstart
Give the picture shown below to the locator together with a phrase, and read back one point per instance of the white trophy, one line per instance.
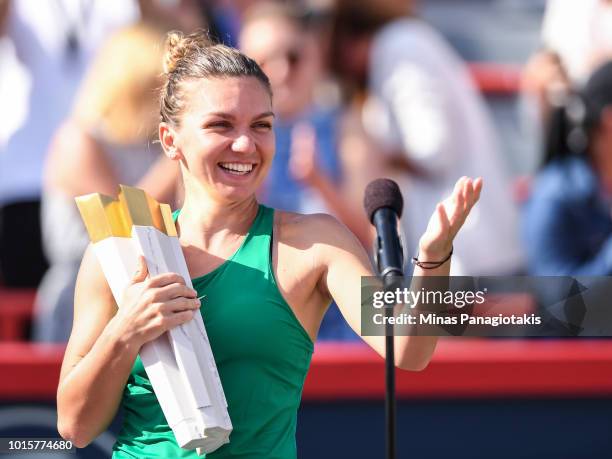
(180, 363)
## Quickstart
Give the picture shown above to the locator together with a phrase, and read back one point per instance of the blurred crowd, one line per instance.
(362, 89)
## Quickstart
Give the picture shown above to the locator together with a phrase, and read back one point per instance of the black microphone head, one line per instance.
(382, 192)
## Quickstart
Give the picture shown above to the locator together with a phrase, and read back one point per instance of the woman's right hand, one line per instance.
(152, 306)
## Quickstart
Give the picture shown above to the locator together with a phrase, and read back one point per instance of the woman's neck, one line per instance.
(203, 221)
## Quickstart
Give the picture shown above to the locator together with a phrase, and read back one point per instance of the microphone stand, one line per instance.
(389, 383)
(389, 261)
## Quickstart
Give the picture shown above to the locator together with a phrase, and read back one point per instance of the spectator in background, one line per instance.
(576, 38)
(184, 15)
(44, 52)
(567, 221)
(46, 48)
(105, 141)
(424, 110)
(308, 171)
(580, 33)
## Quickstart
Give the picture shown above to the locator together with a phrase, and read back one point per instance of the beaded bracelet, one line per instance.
(431, 264)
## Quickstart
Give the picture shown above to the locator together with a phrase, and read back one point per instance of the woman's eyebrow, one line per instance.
(265, 115)
(229, 116)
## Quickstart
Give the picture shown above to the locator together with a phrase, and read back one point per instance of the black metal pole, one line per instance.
(390, 395)
(389, 265)
(389, 280)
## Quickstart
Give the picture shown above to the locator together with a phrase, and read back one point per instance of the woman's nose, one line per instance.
(243, 144)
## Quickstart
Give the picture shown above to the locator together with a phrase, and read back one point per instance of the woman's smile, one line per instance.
(237, 169)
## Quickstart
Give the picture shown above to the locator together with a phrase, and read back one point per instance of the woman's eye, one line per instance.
(263, 126)
(218, 124)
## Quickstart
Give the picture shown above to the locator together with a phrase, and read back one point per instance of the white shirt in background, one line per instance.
(580, 31)
(423, 103)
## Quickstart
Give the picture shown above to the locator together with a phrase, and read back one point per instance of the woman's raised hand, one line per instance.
(152, 306)
(447, 220)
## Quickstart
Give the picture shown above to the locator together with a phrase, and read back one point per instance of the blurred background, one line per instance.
(423, 91)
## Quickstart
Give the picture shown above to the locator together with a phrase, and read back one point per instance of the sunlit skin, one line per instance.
(227, 120)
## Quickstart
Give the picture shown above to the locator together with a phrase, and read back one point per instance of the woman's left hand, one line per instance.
(447, 220)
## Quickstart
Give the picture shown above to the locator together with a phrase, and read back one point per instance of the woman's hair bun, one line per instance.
(175, 50)
(179, 46)
(197, 56)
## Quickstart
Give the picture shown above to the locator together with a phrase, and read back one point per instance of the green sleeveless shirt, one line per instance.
(262, 354)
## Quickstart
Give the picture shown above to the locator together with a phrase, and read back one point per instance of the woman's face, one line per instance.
(225, 139)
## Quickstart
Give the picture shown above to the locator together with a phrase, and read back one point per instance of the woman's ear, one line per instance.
(167, 138)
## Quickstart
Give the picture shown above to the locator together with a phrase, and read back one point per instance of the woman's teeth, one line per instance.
(237, 168)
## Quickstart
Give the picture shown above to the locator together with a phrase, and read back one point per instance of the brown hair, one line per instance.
(197, 56)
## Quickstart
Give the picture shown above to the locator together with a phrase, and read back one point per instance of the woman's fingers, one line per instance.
(157, 318)
(458, 200)
(179, 304)
(164, 279)
(443, 219)
(171, 291)
(450, 215)
(468, 193)
(474, 194)
(180, 318)
(478, 184)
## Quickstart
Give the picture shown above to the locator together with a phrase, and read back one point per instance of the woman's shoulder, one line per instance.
(310, 230)
(295, 220)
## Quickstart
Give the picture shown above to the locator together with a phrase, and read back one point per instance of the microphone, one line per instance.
(383, 204)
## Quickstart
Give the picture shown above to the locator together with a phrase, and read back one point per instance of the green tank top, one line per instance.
(262, 354)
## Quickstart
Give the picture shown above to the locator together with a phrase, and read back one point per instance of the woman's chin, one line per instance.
(232, 193)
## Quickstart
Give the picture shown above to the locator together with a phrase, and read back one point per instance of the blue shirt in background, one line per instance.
(567, 224)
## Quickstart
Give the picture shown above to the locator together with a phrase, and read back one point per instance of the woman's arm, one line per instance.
(104, 343)
(346, 263)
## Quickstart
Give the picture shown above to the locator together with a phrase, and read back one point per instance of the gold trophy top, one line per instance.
(106, 217)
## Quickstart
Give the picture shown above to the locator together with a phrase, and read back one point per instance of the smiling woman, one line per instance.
(224, 137)
(268, 276)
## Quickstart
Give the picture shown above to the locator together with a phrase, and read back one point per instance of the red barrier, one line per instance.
(29, 371)
(500, 79)
(460, 368)
(470, 368)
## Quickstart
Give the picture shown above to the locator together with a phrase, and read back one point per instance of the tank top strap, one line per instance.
(255, 251)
